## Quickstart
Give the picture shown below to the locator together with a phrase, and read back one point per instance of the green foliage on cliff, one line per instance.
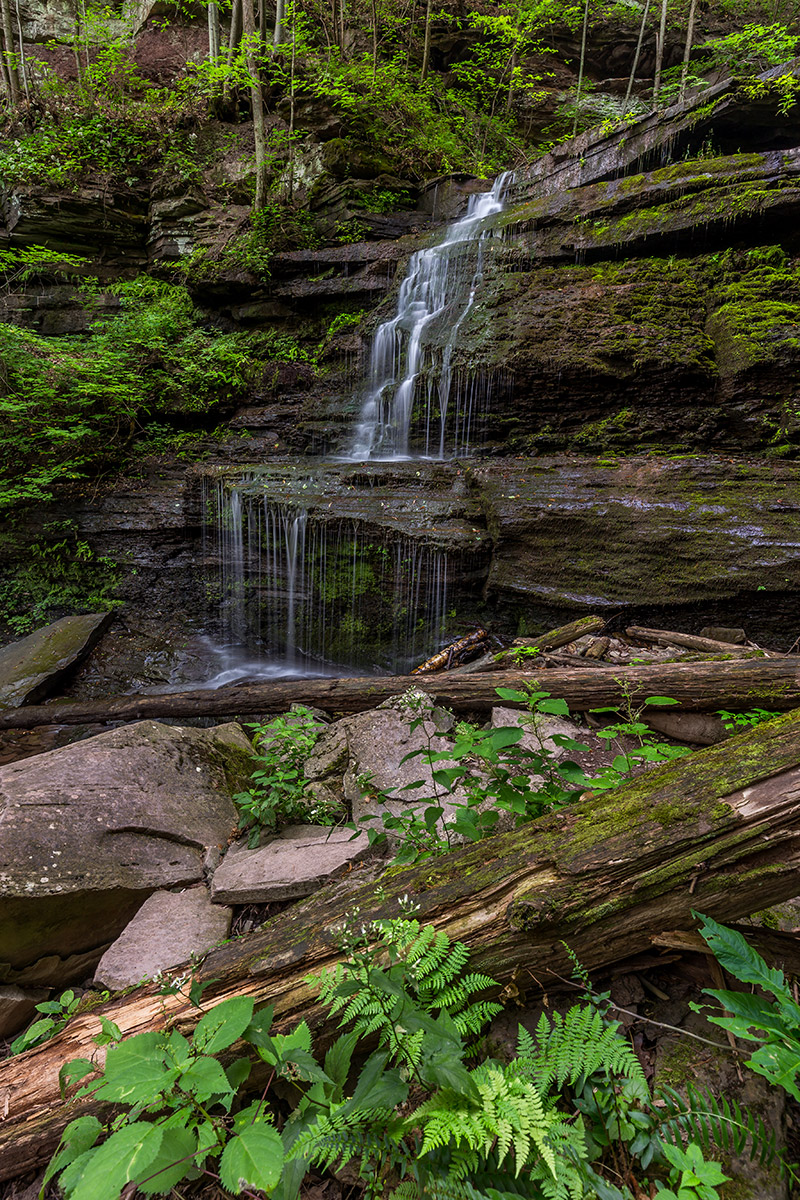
(69, 406)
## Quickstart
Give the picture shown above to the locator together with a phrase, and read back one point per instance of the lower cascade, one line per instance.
(314, 586)
(439, 287)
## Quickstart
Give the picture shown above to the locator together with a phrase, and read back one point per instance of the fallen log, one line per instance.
(765, 683)
(718, 831)
(551, 640)
(690, 641)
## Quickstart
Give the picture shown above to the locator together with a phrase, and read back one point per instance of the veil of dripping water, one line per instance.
(430, 285)
(318, 591)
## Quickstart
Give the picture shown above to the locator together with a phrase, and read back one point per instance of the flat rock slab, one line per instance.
(294, 864)
(88, 831)
(168, 929)
(35, 666)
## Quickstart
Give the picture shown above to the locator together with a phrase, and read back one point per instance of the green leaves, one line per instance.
(253, 1158)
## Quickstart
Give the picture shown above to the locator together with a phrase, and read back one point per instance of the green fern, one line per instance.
(717, 1125)
(568, 1050)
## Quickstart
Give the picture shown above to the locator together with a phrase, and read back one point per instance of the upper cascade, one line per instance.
(433, 283)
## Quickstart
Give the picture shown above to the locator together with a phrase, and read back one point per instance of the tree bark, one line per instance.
(636, 55)
(252, 56)
(426, 50)
(687, 51)
(9, 51)
(699, 687)
(213, 30)
(718, 832)
(662, 33)
(689, 641)
(554, 638)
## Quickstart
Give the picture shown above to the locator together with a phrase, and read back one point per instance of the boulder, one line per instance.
(170, 928)
(89, 831)
(35, 666)
(295, 863)
(17, 1008)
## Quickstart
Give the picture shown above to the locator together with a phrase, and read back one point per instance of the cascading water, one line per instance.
(313, 588)
(432, 288)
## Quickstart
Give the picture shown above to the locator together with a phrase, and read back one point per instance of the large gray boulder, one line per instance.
(89, 831)
(32, 668)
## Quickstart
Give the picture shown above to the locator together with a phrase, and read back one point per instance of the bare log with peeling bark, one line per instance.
(689, 641)
(699, 687)
(718, 831)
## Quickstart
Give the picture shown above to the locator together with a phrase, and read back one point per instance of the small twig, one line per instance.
(648, 1020)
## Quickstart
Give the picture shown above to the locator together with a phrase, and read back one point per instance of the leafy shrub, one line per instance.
(422, 1118)
(70, 406)
(277, 795)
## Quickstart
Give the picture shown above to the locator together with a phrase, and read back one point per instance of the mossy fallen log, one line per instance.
(731, 684)
(718, 831)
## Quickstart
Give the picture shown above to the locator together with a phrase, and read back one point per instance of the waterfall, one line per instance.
(430, 289)
(312, 588)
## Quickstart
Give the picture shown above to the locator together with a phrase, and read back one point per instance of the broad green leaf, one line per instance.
(205, 1078)
(253, 1158)
(553, 707)
(72, 1071)
(136, 1069)
(660, 700)
(224, 1025)
(739, 958)
(171, 1164)
(506, 735)
(78, 1137)
(512, 694)
(122, 1157)
(238, 1072)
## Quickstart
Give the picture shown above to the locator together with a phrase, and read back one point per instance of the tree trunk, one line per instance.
(662, 33)
(700, 687)
(426, 50)
(580, 67)
(22, 67)
(252, 56)
(213, 30)
(687, 51)
(718, 832)
(277, 36)
(636, 55)
(10, 56)
(234, 38)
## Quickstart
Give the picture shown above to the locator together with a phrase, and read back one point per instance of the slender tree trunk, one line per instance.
(637, 54)
(374, 7)
(511, 78)
(342, 28)
(213, 30)
(6, 82)
(580, 67)
(291, 108)
(22, 67)
(662, 33)
(277, 36)
(257, 100)
(687, 52)
(426, 52)
(8, 40)
(234, 38)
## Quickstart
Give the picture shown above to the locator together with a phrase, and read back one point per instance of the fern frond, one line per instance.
(717, 1124)
(569, 1049)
